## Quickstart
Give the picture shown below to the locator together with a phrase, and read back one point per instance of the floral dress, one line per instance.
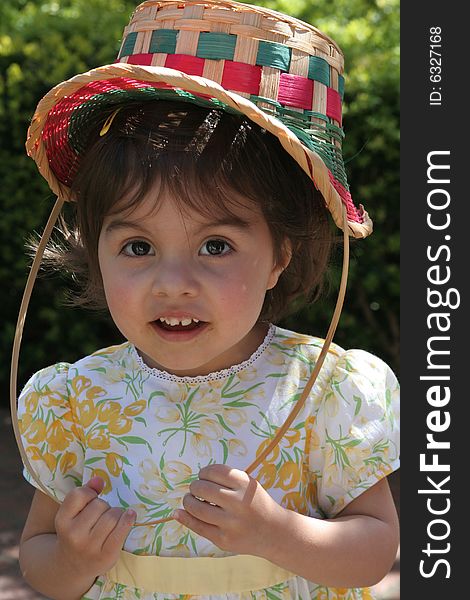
(147, 433)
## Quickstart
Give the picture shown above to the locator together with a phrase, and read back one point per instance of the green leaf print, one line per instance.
(123, 502)
(133, 439)
(225, 447)
(90, 461)
(224, 424)
(358, 401)
(126, 479)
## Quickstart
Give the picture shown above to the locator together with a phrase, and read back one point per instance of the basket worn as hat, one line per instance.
(280, 72)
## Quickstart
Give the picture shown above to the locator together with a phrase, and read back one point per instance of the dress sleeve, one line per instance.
(51, 436)
(355, 435)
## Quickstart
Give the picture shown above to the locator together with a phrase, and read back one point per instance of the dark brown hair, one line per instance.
(204, 157)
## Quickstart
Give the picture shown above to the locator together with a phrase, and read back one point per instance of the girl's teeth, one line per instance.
(174, 321)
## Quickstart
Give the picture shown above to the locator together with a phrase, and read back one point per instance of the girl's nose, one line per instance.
(175, 278)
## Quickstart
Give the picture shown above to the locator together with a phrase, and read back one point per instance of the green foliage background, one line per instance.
(44, 42)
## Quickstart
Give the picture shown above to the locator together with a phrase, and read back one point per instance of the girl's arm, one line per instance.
(355, 549)
(65, 547)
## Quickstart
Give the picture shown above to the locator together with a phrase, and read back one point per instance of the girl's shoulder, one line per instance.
(56, 377)
(352, 364)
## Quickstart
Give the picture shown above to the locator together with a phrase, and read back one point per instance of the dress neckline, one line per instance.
(215, 375)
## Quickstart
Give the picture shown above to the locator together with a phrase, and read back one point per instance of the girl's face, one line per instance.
(186, 290)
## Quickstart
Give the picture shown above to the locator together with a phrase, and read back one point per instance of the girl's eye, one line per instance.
(215, 248)
(138, 248)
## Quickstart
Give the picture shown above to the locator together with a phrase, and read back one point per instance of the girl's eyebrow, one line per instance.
(229, 220)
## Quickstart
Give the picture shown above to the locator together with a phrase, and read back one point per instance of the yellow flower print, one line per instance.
(235, 416)
(312, 442)
(237, 447)
(98, 439)
(331, 404)
(67, 461)
(36, 432)
(114, 463)
(135, 408)
(107, 409)
(172, 533)
(25, 422)
(257, 394)
(211, 429)
(58, 438)
(201, 445)
(296, 340)
(267, 475)
(33, 453)
(154, 486)
(182, 551)
(174, 498)
(176, 394)
(167, 414)
(114, 374)
(312, 490)
(31, 402)
(273, 455)
(288, 476)
(248, 374)
(290, 438)
(50, 460)
(105, 477)
(274, 357)
(176, 471)
(207, 400)
(119, 424)
(295, 501)
(86, 412)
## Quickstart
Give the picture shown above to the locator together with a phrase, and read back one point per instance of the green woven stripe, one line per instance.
(273, 55)
(164, 41)
(216, 45)
(128, 46)
(319, 70)
(341, 86)
(318, 137)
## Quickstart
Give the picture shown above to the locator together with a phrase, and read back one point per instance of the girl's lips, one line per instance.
(178, 335)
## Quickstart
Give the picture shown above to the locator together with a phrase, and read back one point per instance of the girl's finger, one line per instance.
(224, 475)
(117, 536)
(207, 530)
(212, 492)
(202, 510)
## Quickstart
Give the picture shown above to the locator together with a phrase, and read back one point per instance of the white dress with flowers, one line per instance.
(148, 433)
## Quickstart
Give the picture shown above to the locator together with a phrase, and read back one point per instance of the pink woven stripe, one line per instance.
(295, 91)
(140, 59)
(351, 210)
(240, 77)
(191, 65)
(333, 104)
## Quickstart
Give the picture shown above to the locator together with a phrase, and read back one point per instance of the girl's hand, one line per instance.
(91, 534)
(242, 517)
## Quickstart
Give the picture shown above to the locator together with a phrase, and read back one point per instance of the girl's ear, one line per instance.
(280, 265)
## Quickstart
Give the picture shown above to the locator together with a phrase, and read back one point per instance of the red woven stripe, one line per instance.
(295, 91)
(62, 158)
(351, 210)
(191, 65)
(140, 59)
(333, 104)
(240, 77)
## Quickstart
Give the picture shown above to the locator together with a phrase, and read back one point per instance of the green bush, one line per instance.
(44, 42)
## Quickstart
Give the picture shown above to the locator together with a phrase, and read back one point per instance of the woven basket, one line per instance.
(280, 72)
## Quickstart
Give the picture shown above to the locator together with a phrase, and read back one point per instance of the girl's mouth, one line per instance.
(178, 331)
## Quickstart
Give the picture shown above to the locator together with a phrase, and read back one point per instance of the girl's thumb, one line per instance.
(96, 484)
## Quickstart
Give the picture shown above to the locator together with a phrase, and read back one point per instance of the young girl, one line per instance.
(158, 468)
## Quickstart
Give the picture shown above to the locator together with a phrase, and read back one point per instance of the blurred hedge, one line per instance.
(44, 42)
